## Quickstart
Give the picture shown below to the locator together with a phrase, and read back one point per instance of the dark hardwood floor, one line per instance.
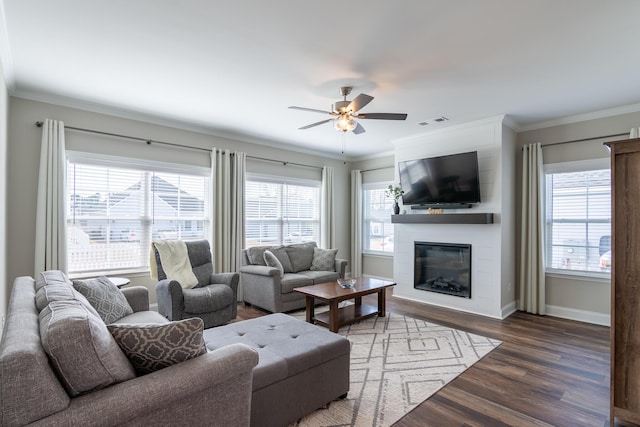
(547, 372)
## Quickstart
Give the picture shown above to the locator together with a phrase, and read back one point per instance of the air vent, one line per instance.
(433, 121)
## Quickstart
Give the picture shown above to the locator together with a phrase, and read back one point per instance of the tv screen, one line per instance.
(448, 179)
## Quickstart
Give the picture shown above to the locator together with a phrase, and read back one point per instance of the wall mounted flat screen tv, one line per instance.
(446, 180)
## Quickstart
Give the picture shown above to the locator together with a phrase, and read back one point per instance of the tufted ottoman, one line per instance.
(301, 367)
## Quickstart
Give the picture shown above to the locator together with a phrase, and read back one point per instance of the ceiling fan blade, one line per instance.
(359, 129)
(315, 124)
(313, 110)
(359, 102)
(383, 116)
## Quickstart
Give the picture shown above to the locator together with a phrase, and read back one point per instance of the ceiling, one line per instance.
(233, 67)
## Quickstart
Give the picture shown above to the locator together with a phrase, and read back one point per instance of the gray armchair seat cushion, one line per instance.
(208, 298)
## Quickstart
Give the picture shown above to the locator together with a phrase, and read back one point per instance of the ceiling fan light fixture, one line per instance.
(345, 123)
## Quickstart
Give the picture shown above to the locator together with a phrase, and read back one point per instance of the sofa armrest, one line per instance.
(170, 298)
(341, 266)
(138, 297)
(215, 387)
(260, 270)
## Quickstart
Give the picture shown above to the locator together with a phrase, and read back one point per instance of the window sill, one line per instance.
(604, 278)
(126, 273)
(378, 254)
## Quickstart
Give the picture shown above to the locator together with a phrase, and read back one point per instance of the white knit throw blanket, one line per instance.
(175, 262)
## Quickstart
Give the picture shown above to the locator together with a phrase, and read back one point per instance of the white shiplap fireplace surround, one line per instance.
(492, 245)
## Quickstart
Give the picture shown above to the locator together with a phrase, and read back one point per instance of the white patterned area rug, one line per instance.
(397, 362)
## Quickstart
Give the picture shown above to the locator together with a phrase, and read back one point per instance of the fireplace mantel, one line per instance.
(452, 218)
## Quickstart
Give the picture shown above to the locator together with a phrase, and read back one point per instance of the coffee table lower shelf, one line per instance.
(347, 315)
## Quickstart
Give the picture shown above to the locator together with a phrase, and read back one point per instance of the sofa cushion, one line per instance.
(50, 277)
(272, 261)
(207, 298)
(301, 255)
(61, 292)
(320, 276)
(293, 280)
(323, 260)
(255, 255)
(283, 256)
(80, 348)
(105, 297)
(151, 347)
(142, 317)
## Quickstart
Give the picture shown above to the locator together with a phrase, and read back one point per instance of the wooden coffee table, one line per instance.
(333, 294)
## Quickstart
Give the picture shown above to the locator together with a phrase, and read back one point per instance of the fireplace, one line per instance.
(443, 267)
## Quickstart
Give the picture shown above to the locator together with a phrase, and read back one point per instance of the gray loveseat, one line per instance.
(269, 288)
(211, 389)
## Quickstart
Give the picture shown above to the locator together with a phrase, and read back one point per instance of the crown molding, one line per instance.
(163, 121)
(610, 112)
(6, 63)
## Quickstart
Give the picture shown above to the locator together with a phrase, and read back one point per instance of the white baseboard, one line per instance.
(153, 307)
(579, 315)
(508, 310)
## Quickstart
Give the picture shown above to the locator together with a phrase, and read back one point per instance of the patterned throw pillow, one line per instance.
(105, 297)
(151, 347)
(324, 259)
(272, 261)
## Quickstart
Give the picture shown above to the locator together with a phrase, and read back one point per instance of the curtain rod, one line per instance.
(151, 141)
(587, 139)
(377, 169)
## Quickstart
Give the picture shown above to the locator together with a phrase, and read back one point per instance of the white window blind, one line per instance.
(377, 228)
(281, 211)
(115, 212)
(578, 220)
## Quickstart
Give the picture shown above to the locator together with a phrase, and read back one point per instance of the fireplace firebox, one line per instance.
(443, 267)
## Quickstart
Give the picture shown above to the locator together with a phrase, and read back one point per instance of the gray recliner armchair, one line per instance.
(213, 299)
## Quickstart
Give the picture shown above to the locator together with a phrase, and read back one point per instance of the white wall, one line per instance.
(24, 151)
(4, 116)
(492, 256)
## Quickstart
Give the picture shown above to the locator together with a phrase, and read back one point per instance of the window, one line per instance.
(116, 207)
(578, 217)
(377, 229)
(281, 211)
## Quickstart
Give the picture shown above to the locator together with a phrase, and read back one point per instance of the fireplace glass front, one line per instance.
(443, 267)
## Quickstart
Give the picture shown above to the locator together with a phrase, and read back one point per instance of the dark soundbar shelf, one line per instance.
(452, 218)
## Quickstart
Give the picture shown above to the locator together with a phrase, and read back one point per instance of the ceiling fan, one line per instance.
(345, 113)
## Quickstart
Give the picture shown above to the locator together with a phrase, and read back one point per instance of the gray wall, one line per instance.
(4, 111)
(24, 153)
(569, 296)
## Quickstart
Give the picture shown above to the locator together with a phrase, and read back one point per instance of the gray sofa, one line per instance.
(269, 371)
(265, 286)
(211, 389)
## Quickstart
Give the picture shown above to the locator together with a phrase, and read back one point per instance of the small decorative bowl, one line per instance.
(346, 283)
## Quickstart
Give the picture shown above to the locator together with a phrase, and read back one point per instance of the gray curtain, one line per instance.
(327, 223)
(51, 239)
(532, 245)
(356, 223)
(227, 210)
